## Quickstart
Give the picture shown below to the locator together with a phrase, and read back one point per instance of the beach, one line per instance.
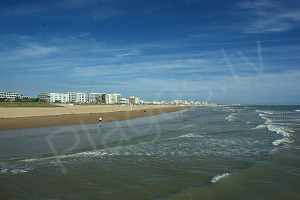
(20, 118)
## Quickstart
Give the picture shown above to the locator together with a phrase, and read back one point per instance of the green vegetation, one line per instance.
(28, 104)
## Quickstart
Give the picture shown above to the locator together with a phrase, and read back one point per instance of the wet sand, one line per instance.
(108, 114)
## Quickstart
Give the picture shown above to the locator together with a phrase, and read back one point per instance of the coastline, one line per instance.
(40, 120)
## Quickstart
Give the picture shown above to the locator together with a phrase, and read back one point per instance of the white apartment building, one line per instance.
(54, 97)
(180, 102)
(113, 98)
(134, 100)
(77, 97)
(59, 98)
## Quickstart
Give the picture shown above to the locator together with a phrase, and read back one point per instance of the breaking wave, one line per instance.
(231, 117)
(284, 131)
(264, 111)
(260, 126)
(218, 177)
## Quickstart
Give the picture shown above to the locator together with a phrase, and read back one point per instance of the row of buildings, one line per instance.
(102, 98)
(91, 98)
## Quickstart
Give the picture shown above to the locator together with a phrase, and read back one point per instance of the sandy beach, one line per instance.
(20, 118)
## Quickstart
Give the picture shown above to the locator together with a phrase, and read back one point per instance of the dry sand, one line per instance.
(19, 118)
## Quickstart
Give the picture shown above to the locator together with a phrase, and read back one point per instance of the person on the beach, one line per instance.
(100, 122)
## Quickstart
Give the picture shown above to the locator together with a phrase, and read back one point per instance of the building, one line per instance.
(96, 98)
(113, 98)
(59, 98)
(44, 96)
(124, 101)
(159, 102)
(180, 102)
(12, 96)
(54, 97)
(77, 97)
(134, 100)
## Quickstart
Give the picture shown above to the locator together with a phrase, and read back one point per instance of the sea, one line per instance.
(216, 152)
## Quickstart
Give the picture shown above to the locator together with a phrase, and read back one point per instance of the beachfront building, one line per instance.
(44, 96)
(113, 98)
(77, 97)
(96, 98)
(158, 102)
(181, 102)
(51, 97)
(134, 100)
(59, 98)
(12, 96)
(124, 101)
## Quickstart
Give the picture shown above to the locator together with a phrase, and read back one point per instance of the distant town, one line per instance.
(90, 98)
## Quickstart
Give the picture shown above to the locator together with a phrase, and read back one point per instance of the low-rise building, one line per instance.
(12, 96)
(124, 101)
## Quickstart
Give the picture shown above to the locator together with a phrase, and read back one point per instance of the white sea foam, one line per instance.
(297, 110)
(260, 126)
(281, 141)
(264, 111)
(231, 117)
(269, 124)
(218, 177)
(248, 122)
(190, 135)
(268, 120)
(4, 171)
(285, 132)
(188, 126)
(280, 130)
(16, 170)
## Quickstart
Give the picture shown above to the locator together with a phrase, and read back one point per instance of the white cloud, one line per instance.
(269, 16)
(28, 50)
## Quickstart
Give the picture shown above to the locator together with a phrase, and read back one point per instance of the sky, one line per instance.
(244, 52)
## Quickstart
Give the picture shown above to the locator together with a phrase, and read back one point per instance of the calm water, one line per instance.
(242, 152)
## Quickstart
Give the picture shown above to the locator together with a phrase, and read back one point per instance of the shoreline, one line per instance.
(15, 123)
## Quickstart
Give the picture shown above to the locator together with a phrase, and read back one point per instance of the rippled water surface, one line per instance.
(241, 152)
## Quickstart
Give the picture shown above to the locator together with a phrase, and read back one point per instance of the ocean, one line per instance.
(221, 152)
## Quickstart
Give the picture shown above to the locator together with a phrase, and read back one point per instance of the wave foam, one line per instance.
(264, 111)
(260, 126)
(190, 135)
(281, 141)
(283, 131)
(297, 110)
(218, 177)
(231, 117)
(15, 171)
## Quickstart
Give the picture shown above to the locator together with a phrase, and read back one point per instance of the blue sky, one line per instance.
(216, 51)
